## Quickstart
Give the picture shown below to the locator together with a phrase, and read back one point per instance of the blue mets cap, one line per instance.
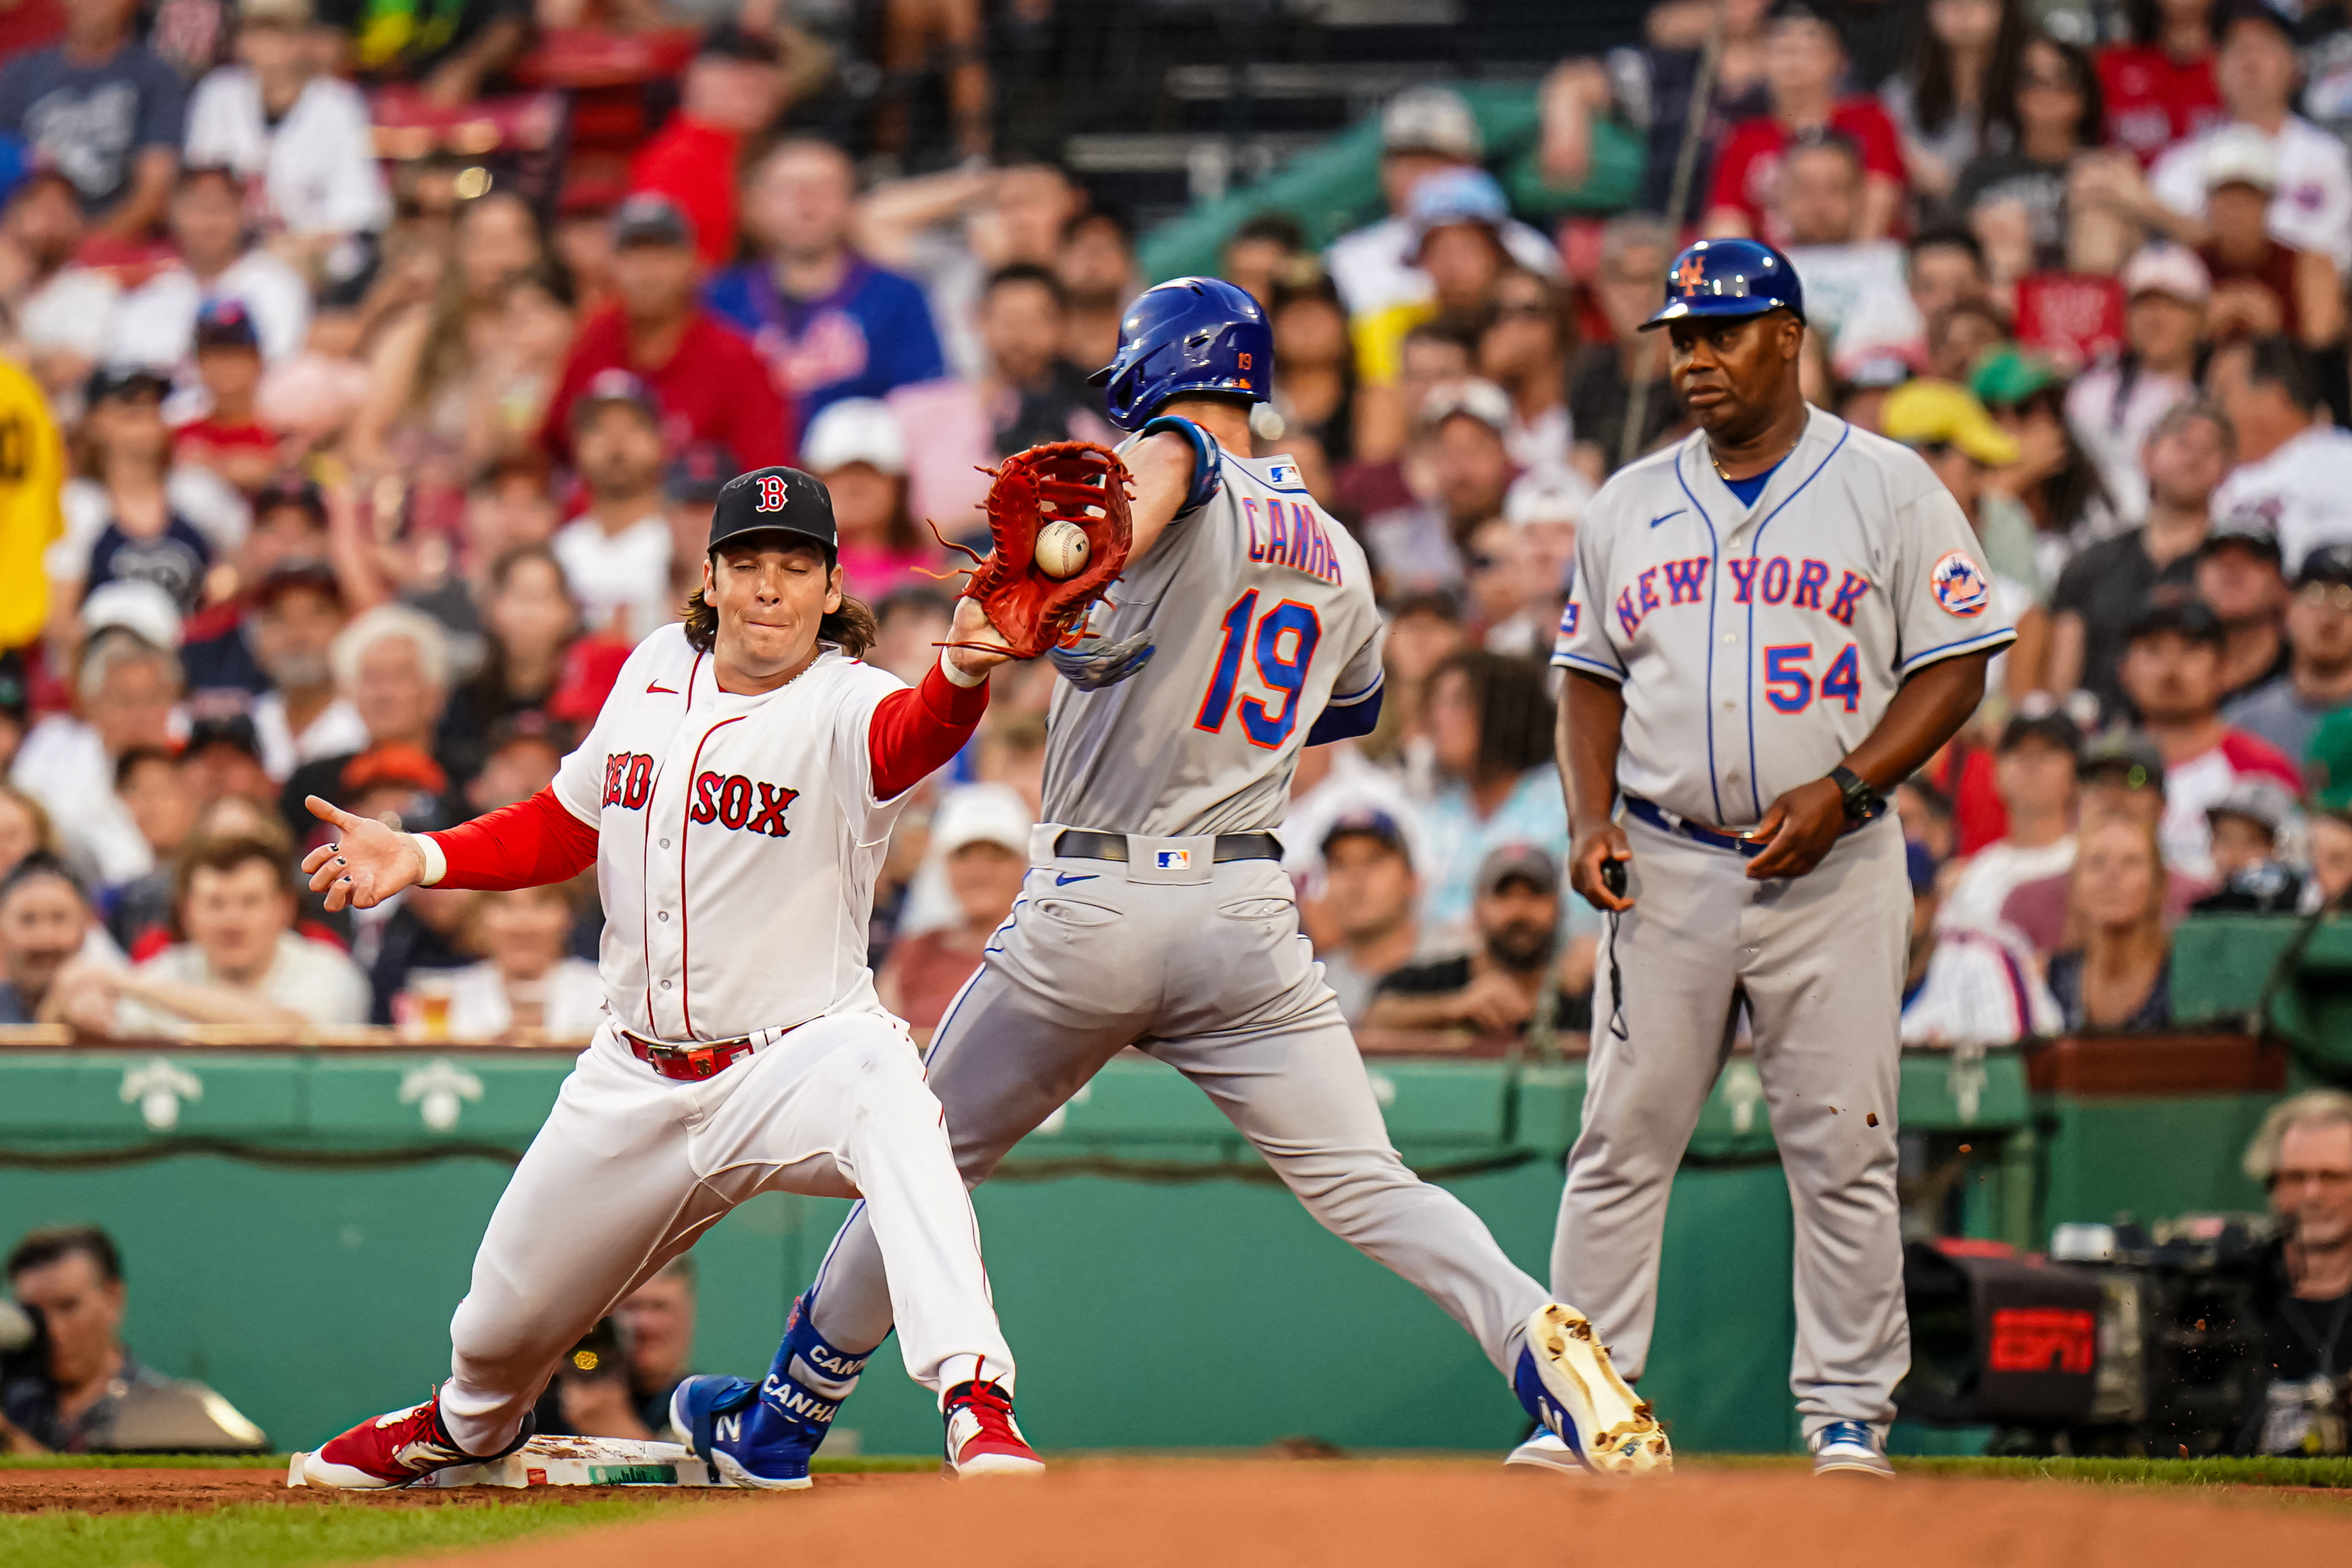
(1729, 278)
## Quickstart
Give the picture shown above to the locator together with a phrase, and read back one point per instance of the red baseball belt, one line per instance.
(691, 1064)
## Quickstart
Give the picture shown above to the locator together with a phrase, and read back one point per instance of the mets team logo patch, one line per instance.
(1960, 585)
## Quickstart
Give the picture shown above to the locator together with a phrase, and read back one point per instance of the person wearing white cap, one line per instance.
(1418, 545)
(1424, 130)
(126, 687)
(2260, 286)
(2113, 408)
(980, 839)
(2255, 69)
(857, 447)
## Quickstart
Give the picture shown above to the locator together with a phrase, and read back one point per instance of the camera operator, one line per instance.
(2302, 1155)
(89, 1394)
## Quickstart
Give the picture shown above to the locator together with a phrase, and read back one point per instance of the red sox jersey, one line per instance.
(737, 842)
(1756, 645)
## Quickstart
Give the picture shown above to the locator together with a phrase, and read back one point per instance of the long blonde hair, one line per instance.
(2151, 917)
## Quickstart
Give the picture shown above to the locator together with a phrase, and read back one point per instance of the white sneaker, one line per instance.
(1850, 1448)
(1546, 1452)
(1564, 1381)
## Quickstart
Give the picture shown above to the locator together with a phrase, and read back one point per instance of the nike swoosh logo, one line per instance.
(1063, 879)
(1663, 516)
(657, 686)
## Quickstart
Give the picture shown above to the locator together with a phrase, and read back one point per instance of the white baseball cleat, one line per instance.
(1544, 1451)
(1565, 1381)
(1850, 1448)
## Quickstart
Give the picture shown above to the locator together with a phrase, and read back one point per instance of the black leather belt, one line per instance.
(1084, 843)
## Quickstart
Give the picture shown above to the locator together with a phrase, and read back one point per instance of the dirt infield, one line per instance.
(180, 1491)
(1460, 1514)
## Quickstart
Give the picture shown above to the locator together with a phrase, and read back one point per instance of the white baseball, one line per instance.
(1062, 550)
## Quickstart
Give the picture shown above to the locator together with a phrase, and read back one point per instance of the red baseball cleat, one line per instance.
(983, 1439)
(394, 1450)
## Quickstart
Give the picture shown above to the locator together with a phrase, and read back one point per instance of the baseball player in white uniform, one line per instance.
(1155, 913)
(735, 797)
(1773, 622)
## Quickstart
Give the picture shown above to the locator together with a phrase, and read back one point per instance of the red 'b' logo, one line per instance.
(772, 493)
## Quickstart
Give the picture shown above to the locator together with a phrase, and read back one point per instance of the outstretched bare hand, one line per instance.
(367, 864)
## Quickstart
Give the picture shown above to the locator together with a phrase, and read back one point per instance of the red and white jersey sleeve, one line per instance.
(738, 841)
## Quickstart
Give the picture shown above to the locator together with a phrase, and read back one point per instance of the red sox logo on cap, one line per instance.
(772, 493)
(1960, 585)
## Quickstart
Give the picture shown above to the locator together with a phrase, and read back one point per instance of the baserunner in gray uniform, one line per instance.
(1157, 913)
(1773, 621)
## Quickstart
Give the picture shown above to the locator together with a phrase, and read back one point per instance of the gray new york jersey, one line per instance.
(1261, 611)
(1756, 645)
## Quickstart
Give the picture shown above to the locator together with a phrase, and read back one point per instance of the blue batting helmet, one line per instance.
(1729, 278)
(1188, 335)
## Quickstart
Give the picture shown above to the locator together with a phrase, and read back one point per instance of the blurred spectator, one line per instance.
(2115, 971)
(1524, 348)
(1419, 548)
(1031, 393)
(1954, 99)
(1966, 984)
(1387, 473)
(2034, 773)
(829, 323)
(1266, 254)
(1097, 267)
(1013, 754)
(290, 523)
(2255, 69)
(1651, 90)
(2121, 775)
(1804, 62)
(98, 106)
(392, 664)
(2238, 579)
(297, 614)
(1368, 892)
(710, 384)
(1541, 514)
(616, 555)
(731, 90)
(2015, 198)
(294, 133)
(223, 758)
(2331, 860)
(451, 53)
(858, 448)
(2104, 589)
(2171, 671)
(62, 312)
(240, 962)
(1960, 335)
(2112, 408)
(2302, 1154)
(129, 531)
(155, 324)
(45, 918)
(147, 781)
(1516, 980)
(1952, 431)
(980, 838)
(2287, 709)
(124, 689)
(2052, 477)
(1458, 218)
(227, 438)
(2159, 86)
(2261, 288)
(95, 1396)
(913, 619)
(1425, 631)
(1313, 366)
(1625, 377)
(2247, 825)
(1424, 130)
(1490, 720)
(15, 709)
(527, 988)
(521, 754)
(2292, 458)
(1818, 202)
(659, 1316)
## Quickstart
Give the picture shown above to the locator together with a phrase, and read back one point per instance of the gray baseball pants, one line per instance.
(1818, 961)
(1204, 968)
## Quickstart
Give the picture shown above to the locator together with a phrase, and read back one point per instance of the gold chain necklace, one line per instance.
(1776, 462)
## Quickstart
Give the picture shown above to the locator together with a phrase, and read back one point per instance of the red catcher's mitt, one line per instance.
(1062, 481)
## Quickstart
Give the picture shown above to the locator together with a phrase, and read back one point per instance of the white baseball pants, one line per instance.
(1819, 960)
(632, 1167)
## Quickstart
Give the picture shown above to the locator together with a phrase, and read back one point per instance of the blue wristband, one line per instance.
(1208, 473)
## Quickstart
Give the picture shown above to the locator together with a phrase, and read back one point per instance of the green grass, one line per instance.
(270, 1535)
(2330, 1473)
(863, 1464)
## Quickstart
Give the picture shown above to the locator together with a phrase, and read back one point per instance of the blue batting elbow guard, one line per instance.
(1207, 473)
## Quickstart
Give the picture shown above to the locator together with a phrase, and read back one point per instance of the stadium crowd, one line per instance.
(352, 429)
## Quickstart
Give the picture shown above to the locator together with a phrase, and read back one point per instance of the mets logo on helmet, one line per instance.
(1961, 585)
(1691, 276)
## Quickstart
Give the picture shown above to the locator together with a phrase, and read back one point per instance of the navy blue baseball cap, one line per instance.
(225, 324)
(1729, 278)
(775, 500)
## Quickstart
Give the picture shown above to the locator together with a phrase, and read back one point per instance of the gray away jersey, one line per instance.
(1260, 606)
(1756, 647)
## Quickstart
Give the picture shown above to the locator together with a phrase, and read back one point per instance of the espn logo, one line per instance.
(2043, 1339)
